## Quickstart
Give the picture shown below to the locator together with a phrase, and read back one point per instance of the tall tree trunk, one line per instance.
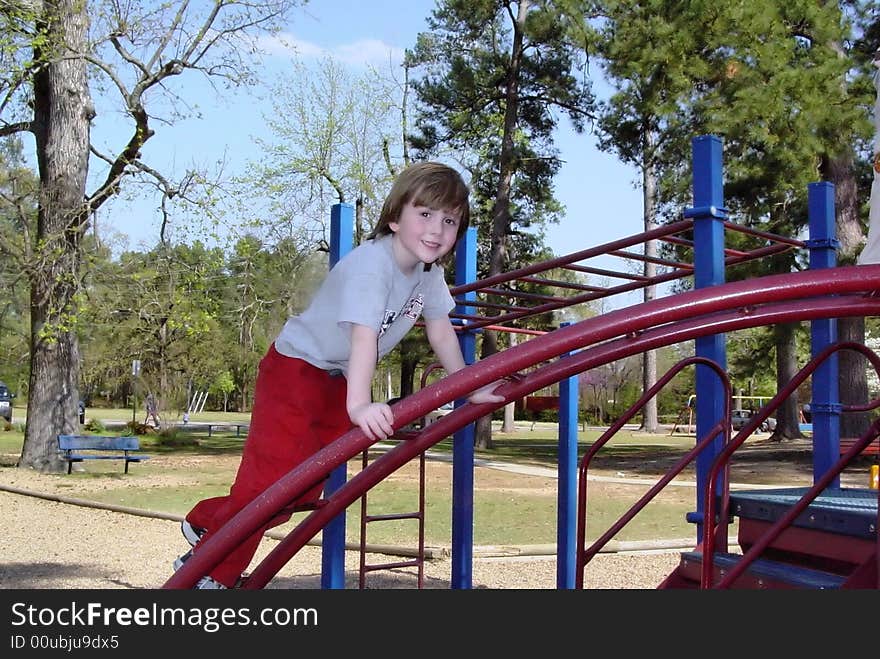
(649, 198)
(787, 421)
(838, 169)
(853, 382)
(483, 425)
(164, 385)
(509, 424)
(501, 207)
(62, 112)
(408, 364)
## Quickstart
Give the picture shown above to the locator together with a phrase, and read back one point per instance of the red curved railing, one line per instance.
(722, 459)
(809, 295)
(721, 427)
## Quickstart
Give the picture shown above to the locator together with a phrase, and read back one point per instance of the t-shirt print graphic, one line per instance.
(413, 308)
(387, 320)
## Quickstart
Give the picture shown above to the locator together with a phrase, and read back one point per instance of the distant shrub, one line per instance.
(94, 425)
(137, 428)
(548, 416)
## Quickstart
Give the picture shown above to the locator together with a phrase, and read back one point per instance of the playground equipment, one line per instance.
(418, 556)
(781, 543)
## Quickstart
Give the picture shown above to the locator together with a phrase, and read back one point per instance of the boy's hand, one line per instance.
(374, 419)
(485, 395)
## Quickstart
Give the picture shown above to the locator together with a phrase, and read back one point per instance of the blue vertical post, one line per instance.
(333, 538)
(566, 497)
(825, 404)
(463, 440)
(709, 215)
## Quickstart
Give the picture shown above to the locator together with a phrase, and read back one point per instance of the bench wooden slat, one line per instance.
(871, 449)
(94, 456)
(67, 444)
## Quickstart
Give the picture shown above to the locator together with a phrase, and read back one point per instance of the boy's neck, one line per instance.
(404, 264)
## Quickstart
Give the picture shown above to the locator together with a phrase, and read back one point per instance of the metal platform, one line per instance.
(846, 511)
(764, 574)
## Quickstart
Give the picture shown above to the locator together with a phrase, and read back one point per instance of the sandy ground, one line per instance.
(45, 544)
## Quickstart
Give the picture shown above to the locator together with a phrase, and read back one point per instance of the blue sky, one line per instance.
(598, 192)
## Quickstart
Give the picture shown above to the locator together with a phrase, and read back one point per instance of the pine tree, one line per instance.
(491, 76)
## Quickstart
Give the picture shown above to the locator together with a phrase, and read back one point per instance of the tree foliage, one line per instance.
(492, 77)
(67, 63)
(779, 82)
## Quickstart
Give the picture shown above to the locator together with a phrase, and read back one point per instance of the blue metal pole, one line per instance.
(333, 539)
(463, 440)
(709, 215)
(825, 404)
(566, 506)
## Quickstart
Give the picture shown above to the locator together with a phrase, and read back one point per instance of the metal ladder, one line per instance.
(418, 561)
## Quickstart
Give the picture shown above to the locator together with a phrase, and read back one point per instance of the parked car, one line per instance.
(439, 413)
(6, 397)
(739, 418)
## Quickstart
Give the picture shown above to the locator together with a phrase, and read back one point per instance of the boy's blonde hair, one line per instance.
(430, 184)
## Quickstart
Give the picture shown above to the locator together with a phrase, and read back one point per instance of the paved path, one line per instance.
(548, 472)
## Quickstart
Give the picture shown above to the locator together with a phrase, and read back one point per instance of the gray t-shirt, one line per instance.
(365, 287)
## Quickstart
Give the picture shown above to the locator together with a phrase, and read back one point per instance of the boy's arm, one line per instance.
(445, 345)
(374, 419)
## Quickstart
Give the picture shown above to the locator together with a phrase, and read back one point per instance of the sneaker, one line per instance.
(207, 583)
(192, 533)
(180, 560)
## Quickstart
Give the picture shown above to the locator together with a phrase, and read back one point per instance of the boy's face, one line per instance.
(424, 234)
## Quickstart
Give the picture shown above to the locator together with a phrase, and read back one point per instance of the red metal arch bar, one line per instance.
(630, 322)
(553, 372)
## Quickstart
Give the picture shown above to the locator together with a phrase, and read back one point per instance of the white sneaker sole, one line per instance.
(180, 560)
(189, 532)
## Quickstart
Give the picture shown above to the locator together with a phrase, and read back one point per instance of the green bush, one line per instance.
(94, 425)
(548, 416)
(138, 428)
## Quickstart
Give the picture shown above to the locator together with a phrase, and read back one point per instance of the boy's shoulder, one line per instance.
(378, 249)
(369, 257)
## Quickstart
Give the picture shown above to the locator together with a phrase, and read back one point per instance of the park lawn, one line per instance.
(509, 509)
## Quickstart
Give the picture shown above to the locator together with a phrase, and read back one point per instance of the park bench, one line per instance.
(871, 449)
(76, 448)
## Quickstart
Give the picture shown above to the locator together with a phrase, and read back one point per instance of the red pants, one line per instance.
(298, 409)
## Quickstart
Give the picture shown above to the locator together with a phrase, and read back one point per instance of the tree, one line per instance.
(51, 54)
(651, 53)
(17, 184)
(490, 77)
(839, 165)
(336, 139)
(223, 385)
(266, 284)
(791, 106)
(767, 77)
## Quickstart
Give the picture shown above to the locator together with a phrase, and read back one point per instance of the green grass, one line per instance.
(505, 513)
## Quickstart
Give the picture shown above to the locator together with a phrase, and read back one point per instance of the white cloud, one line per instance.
(369, 51)
(359, 53)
